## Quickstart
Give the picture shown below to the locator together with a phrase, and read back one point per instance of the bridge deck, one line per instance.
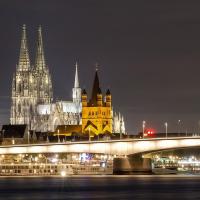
(114, 147)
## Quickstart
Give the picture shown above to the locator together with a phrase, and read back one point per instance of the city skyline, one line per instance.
(151, 64)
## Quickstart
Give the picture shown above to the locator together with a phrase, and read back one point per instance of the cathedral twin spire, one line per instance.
(40, 60)
(40, 64)
(24, 60)
(31, 85)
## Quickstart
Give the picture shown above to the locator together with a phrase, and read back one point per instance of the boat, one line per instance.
(164, 170)
(49, 169)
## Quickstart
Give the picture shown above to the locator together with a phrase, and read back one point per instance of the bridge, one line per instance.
(112, 147)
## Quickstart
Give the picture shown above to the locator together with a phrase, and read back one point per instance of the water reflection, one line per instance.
(101, 187)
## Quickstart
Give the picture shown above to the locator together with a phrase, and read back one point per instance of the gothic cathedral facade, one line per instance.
(32, 98)
(31, 85)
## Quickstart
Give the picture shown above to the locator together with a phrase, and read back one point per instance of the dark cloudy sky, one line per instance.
(148, 52)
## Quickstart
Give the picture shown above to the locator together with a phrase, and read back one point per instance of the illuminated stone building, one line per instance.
(96, 113)
(61, 112)
(118, 123)
(32, 99)
(32, 94)
(31, 85)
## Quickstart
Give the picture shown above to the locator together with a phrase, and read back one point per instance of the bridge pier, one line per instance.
(132, 165)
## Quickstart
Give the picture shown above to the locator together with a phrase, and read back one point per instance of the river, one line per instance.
(101, 187)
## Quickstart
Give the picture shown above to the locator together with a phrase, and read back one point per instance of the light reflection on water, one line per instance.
(100, 187)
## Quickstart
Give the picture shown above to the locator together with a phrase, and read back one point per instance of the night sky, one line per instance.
(148, 54)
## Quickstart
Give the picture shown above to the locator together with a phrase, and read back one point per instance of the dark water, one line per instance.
(105, 187)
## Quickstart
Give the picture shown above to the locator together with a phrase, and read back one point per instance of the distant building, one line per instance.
(32, 95)
(31, 85)
(15, 134)
(118, 123)
(32, 99)
(61, 112)
(96, 113)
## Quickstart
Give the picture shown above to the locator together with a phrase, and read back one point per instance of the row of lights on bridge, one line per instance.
(151, 132)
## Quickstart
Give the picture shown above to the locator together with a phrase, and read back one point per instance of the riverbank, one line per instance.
(111, 176)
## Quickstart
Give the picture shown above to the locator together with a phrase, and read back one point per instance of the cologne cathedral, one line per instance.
(32, 98)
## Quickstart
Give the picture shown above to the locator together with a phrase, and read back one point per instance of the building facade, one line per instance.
(59, 113)
(97, 113)
(30, 85)
(118, 123)
(32, 98)
(32, 94)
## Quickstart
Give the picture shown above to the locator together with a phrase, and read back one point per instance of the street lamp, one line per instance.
(166, 125)
(179, 127)
(89, 134)
(143, 128)
(58, 135)
(28, 136)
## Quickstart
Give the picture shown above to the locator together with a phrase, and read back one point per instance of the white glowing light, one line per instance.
(103, 164)
(83, 157)
(54, 160)
(44, 109)
(63, 173)
(188, 162)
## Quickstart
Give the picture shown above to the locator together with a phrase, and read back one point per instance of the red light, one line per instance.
(149, 132)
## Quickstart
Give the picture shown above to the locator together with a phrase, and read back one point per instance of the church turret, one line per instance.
(24, 61)
(76, 91)
(123, 130)
(76, 80)
(99, 98)
(84, 98)
(108, 98)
